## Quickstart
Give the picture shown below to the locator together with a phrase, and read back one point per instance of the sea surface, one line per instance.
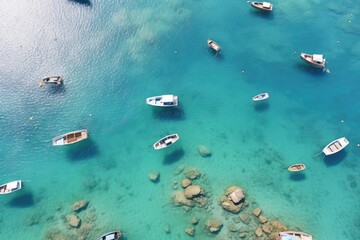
(112, 55)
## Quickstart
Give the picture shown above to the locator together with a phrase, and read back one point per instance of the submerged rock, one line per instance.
(79, 205)
(194, 220)
(237, 195)
(167, 229)
(185, 183)
(190, 231)
(204, 151)
(214, 225)
(180, 199)
(192, 173)
(257, 212)
(258, 232)
(154, 176)
(73, 221)
(193, 191)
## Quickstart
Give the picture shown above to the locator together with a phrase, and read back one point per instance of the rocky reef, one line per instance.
(233, 215)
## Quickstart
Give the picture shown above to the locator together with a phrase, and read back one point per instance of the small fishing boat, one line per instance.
(213, 45)
(265, 6)
(168, 100)
(11, 187)
(114, 235)
(297, 167)
(166, 141)
(292, 235)
(51, 80)
(70, 138)
(335, 146)
(260, 97)
(316, 60)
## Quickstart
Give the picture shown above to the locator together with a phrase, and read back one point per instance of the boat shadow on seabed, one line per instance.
(335, 159)
(174, 113)
(81, 151)
(23, 199)
(174, 156)
(312, 71)
(82, 2)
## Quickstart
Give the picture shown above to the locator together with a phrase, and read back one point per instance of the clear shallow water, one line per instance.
(113, 55)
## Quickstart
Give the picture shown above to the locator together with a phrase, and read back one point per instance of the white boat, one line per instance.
(335, 146)
(166, 141)
(11, 187)
(70, 138)
(57, 80)
(292, 235)
(316, 60)
(168, 100)
(114, 235)
(265, 6)
(261, 96)
(213, 45)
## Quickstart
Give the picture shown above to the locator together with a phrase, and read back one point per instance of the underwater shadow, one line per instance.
(262, 106)
(22, 201)
(310, 70)
(56, 89)
(297, 176)
(335, 159)
(217, 55)
(83, 150)
(82, 2)
(174, 113)
(263, 14)
(174, 156)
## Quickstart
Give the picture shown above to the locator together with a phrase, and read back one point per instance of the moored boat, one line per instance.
(11, 187)
(335, 146)
(168, 100)
(265, 6)
(213, 45)
(51, 80)
(70, 138)
(166, 141)
(292, 235)
(261, 96)
(316, 60)
(114, 235)
(297, 167)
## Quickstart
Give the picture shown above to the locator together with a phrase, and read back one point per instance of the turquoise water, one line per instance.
(114, 54)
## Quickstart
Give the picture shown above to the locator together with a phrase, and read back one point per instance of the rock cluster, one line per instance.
(192, 193)
(248, 220)
(80, 221)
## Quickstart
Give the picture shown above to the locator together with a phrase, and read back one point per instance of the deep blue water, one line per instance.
(114, 54)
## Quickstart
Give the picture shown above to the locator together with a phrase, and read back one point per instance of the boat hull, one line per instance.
(157, 101)
(260, 6)
(297, 167)
(335, 146)
(261, 97)
(70, 138)
(11, 187)
(53, 80)
(166, 141)
(294, 235)
(213, 45)
(309, 59)
(114, 235)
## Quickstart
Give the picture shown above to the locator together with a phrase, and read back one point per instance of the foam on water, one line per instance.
(112, 55)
